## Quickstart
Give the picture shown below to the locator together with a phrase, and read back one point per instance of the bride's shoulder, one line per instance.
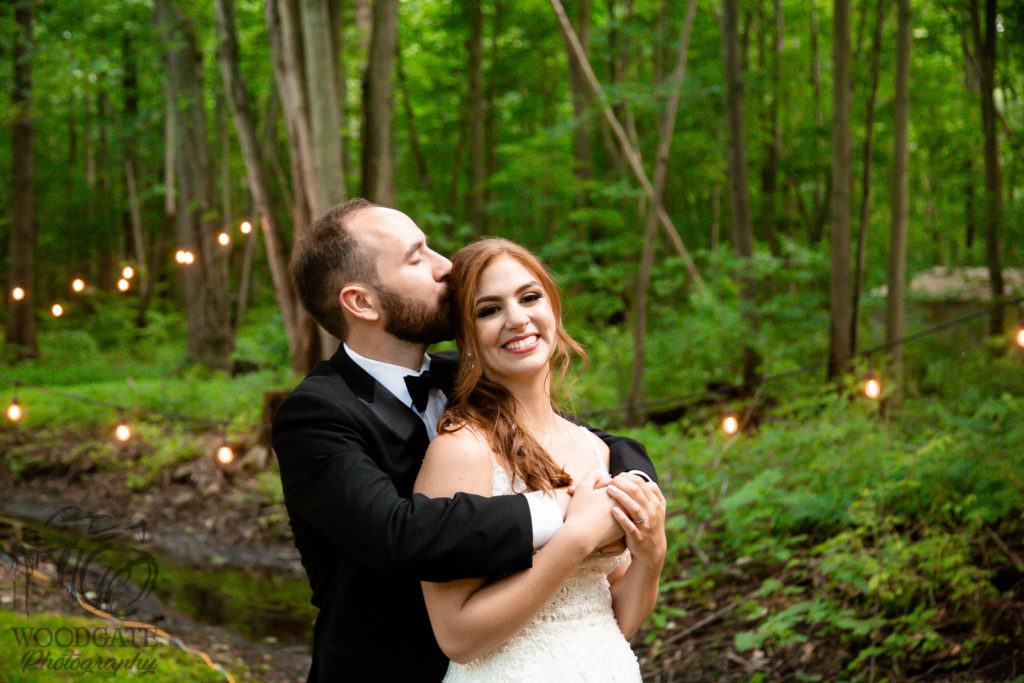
(458, 460)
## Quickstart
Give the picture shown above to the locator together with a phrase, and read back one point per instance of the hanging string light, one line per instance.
(224, 239)
(128, 273)
(17, 293)
(1020, 332)
(122, 431)
(184, 257)
(14, 411)
(225, 455)
(78, 284)
(123, 284)
(245, 227)
(57, 310)
(872, 387)
(730, 423)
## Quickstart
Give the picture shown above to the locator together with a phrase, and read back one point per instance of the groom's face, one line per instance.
(412, 278)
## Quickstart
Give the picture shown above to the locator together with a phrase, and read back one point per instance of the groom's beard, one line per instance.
(414, 321)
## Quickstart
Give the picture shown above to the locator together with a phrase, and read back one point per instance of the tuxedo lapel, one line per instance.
(404, 424)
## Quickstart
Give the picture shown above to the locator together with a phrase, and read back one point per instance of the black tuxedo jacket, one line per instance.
(349, 453)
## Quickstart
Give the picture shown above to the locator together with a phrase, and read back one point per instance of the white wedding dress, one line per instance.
(573, 639)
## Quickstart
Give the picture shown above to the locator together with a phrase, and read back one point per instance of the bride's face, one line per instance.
(514, 324)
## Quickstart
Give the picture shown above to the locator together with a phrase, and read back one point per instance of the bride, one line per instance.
(568, 617)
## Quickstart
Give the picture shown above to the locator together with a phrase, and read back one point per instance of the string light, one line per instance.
(184, 257)
(872, 387)
(730, 423)
(1020, 332)
(225, 455)
(122, 431)
(224, 239)
(245, 227)
(78, 284)
(123, 284)
(57, 310)
(14, 411)
(128, 273)
(18, 293)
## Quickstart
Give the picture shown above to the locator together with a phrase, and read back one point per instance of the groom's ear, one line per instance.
(360, 301)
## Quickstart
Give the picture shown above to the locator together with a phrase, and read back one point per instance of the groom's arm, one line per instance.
(625, 454)
(333, 485)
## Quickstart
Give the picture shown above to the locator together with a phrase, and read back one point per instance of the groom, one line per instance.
(350, 440)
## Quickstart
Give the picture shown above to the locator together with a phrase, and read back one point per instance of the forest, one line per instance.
(789, 235)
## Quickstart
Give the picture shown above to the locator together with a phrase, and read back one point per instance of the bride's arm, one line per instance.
(470, 617)
(634, 584)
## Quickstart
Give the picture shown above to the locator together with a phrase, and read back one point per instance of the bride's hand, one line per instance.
(641, 514)
(589, 512)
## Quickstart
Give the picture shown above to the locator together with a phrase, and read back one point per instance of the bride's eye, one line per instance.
(530, 297)
(486, 311)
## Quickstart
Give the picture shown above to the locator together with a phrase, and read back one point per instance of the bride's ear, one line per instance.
(360, 302)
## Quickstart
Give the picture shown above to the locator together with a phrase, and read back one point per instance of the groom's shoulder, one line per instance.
(323, 385)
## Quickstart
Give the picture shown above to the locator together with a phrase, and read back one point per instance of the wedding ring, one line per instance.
(639, 521)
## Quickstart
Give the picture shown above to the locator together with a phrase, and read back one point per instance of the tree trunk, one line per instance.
(21, 324)
(865, 204)
(840, 291)
(894, 309)
(985, 49)
(580, 96)
(822, 184)
(477, 106)
(628, 150)
(773, 140)
(742, 226)
(328, 183)
(378, 105)
(208, 312)
(259, 184)
(635, 413)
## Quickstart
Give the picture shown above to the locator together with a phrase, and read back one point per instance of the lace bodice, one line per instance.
(573, 638)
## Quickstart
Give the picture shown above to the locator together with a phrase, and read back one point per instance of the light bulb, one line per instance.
(78, 284)
(1020, 336)
(128, 272)
(18, 293)
(245, 227)
(179, 256)
(14, 411)
(57, 310)
(188, 257)
(225, 455)
(730, 425)
(872, 388)
(123, 432)
(224, 239)
(123, 285)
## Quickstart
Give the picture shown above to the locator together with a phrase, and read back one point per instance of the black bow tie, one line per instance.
(420, 386)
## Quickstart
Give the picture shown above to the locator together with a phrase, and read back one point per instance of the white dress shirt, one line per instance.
(545, 514)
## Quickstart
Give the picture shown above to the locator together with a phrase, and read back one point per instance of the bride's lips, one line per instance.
(531, 340)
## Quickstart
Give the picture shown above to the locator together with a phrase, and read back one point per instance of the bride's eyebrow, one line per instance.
(529, 285)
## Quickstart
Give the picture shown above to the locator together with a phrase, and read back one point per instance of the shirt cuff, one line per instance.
(643, 475)
(545, 515)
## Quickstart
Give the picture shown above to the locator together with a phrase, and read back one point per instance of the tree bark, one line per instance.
(208, 311)
(985, 49)
(580, 96)
(259, 184)
(378, 105)
(742, 225)
(328, 183)
(840, 291)
(865, 203)
(21, 324)
(773, 138)
(894, 309)
(477, 114)
(635, 414)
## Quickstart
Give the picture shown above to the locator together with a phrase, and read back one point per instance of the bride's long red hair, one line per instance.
(486, 405)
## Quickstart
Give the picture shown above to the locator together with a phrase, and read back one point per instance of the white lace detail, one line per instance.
(574, 638)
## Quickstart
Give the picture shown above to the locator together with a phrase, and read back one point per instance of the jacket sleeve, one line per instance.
(625, 454)
(332, 485)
